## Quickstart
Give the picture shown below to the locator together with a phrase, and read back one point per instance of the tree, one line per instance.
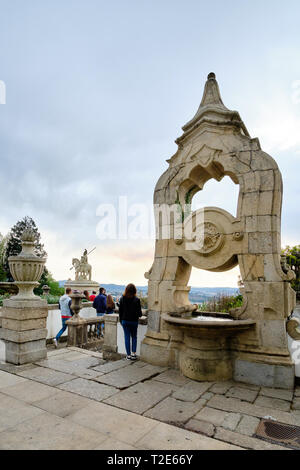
(47, 279)
(54, 287)
(2, 248)
(13, 245)
(292, 254)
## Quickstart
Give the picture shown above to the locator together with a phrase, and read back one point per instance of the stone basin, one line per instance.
(206, 354)
(210, 324)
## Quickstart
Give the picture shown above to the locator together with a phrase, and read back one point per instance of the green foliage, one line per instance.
(3, 297)
(222, 303)
(143, 300)
(52, 299)
(2, 248)
(47, 279)
(55, 289)
(292, 254)
(43, 281)
(2, 274)
(185, 211)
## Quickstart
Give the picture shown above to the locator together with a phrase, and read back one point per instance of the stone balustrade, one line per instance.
(84, 334)
(87, 311)
(92, 330)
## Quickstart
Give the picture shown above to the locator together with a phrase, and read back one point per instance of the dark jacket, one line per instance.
(100, 303)
(130, 309)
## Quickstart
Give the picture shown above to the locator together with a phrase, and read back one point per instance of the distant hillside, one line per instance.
(203, 294)
(114, 288)
(197, 294)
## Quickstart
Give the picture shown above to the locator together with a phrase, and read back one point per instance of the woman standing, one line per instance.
(110, 304)
(129, 312)
(86, 295)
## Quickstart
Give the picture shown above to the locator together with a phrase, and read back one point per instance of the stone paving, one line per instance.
(131, 405)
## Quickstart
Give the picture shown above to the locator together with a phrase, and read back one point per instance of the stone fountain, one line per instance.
(251, 345)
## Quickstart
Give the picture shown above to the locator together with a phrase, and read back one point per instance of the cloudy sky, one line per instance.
(97, 92)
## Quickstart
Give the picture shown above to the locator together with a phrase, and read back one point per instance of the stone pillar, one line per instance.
(110, 345)
(77, 332)
(77, 328)
(24, 330)
(24, 316)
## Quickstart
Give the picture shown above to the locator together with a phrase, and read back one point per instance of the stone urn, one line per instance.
(26, 268)
(77, 326)
(76, 305)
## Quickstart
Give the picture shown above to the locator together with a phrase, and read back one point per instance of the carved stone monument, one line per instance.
(215, 143)
(83, 275)
(24, 315)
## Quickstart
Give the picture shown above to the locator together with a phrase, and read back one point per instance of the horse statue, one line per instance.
(83, 271)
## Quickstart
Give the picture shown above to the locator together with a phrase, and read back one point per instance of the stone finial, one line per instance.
(212, 109)
(211, 94)
(28, 239)
(46, 289)
(28, 236)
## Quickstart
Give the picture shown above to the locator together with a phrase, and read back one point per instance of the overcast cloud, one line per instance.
(97, 93)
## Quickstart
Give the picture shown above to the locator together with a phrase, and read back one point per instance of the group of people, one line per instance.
(129, 313)
(110, 303)
(104, 304)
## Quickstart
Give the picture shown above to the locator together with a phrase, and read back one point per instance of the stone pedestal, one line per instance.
(83, 285)
(24, 330)
(77, 331)
(206, 360)
(24, 316)
(110, 345)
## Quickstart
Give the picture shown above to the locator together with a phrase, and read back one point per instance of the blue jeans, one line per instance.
(64, 327)
(130, 332)
(100, 324)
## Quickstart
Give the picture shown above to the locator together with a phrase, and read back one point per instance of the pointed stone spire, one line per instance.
(212, 109)
(211, 94)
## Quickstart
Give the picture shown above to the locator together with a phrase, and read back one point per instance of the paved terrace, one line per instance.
(76, 400)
